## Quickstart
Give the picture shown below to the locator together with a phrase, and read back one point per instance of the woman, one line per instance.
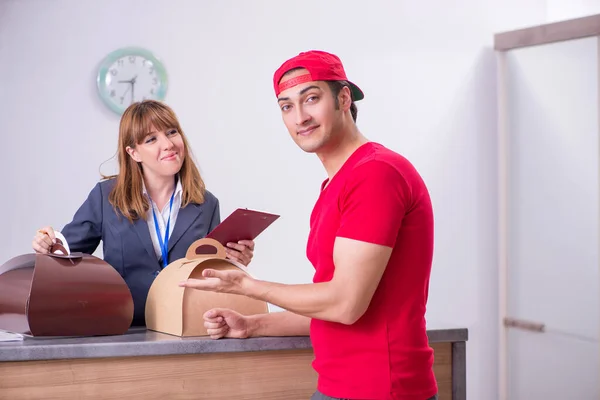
(158, 189)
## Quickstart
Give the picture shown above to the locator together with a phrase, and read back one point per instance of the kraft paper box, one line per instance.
(179, 311)
(63, 294)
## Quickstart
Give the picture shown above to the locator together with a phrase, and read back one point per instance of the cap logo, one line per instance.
(294, 81)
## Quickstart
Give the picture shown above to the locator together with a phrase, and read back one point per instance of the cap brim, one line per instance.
(357, 94)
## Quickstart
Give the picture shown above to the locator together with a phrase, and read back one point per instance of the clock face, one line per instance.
(130, 75)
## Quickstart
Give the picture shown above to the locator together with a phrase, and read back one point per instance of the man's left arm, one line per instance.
(372, 208)
(358, 270)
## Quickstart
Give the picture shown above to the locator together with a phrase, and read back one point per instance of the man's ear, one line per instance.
(133, 154)
(345, 98)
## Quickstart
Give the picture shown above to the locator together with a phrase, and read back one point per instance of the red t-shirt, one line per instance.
(378, 197)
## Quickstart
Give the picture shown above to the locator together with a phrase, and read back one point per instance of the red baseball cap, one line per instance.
(321, 66)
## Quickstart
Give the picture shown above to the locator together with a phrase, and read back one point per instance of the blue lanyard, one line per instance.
(164, 244)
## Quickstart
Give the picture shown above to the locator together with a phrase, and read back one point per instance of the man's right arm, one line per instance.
(284, 323)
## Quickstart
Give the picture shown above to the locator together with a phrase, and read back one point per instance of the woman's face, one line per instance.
(161, 153)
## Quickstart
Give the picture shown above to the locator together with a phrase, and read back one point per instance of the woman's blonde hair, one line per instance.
(136, 123)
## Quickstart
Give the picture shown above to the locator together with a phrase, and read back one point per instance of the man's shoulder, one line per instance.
(380, 162)
(386, 168)
(378, 156)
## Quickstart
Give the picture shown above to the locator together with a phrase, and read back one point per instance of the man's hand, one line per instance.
(228, 281)
(222, 322)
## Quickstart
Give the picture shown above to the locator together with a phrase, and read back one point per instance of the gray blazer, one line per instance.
(128, 247)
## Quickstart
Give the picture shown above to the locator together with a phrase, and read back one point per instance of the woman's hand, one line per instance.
(242, 251)
(43, 240)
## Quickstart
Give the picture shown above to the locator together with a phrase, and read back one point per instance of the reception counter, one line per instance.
(148, 365)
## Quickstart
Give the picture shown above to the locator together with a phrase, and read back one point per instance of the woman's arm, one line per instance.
(84, 232)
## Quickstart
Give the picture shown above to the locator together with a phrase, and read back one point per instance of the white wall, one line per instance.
(559, 10)
(427, 69)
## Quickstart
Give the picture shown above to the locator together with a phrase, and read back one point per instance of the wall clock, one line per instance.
(128, 75)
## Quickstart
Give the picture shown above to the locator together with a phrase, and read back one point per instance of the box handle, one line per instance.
(58, 246)
(205, 247)
(62, 251)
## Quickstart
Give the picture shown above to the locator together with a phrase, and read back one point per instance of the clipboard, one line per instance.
(242, 224)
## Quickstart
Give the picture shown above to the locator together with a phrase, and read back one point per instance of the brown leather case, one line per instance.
(63, 295)
(178, 311)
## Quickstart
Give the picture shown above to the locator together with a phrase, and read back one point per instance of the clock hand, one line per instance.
(132, 80)
(124, 93)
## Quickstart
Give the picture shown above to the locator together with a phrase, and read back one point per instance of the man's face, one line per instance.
(309, 113)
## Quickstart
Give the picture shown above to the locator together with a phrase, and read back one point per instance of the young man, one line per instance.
(371, 243)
